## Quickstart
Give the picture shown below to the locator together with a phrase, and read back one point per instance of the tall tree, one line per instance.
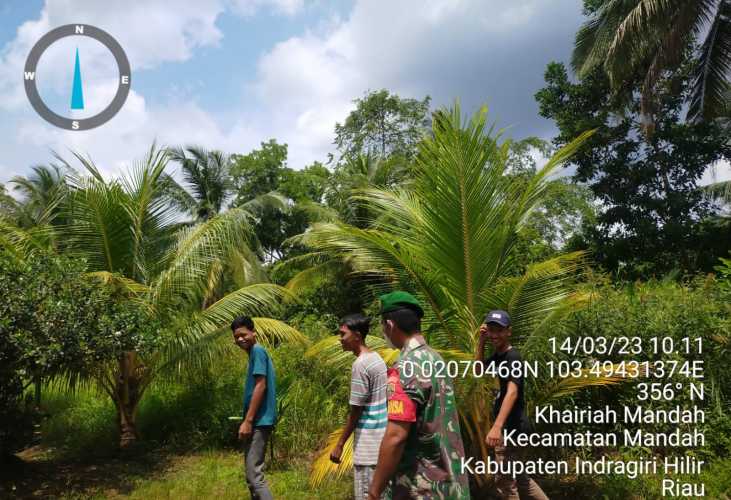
(651, 204)
(207, 181)
(289, 198)
(641, 39)
(383, 124)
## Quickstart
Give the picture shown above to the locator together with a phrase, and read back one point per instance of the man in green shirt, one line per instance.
(422, 449)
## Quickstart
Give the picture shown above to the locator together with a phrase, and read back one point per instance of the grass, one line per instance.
(157, 475)
(220, 475)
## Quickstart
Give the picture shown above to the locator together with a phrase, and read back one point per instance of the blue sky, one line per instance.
(229, 74)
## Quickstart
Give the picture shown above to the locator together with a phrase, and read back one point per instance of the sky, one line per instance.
(230, 74)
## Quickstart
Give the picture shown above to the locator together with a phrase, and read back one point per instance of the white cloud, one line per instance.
(470, 49)
(152, 32)
(251, 7)
(129, 135)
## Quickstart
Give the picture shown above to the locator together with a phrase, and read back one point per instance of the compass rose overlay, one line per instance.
(123, 85)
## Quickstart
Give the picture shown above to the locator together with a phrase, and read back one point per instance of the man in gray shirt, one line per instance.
(368, 412)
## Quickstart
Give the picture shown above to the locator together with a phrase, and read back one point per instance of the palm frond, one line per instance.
(309, 277)
(272, 199)
(596, 35)
(711, 86)
(196, 250)
(560, 387)
(125, 285)
(323, 468)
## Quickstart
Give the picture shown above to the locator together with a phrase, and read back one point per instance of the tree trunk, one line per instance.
(127, 395)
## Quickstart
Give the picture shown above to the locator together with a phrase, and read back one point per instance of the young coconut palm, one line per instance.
(450, 237)
(129, 233)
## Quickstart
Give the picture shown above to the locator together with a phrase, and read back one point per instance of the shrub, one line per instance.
(663, 309)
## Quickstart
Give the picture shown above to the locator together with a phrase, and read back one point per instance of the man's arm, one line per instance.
(389, 456)
(494, 437)
(260, 389)
(353, 417)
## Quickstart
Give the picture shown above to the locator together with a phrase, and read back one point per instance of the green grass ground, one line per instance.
(213, 474)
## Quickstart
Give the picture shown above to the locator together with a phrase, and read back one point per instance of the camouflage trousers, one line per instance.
(413, 487)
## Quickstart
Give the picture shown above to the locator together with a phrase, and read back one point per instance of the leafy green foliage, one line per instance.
(263, 172)
(383, 124)
(42, 194)
(60, 321)
(60, 318)
(724, 271)
(651, 205)
(657, 310)
(259, 172)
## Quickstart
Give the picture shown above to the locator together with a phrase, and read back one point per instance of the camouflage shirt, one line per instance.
(431, 464)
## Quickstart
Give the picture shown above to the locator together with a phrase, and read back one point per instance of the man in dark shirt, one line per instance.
(508, 409)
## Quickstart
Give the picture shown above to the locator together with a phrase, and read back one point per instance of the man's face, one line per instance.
(498, 335)
(349, 339)
(244, 338)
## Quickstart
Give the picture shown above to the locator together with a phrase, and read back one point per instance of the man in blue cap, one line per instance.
(508, 410)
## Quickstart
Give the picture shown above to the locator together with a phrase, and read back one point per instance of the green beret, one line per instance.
(400, 300)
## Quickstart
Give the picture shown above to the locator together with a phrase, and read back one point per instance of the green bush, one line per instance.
(80, 423)
(695, 308)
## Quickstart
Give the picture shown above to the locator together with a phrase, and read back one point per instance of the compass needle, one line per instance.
(77, 95)
(123, 82)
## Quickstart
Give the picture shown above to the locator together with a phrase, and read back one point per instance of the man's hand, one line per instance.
(483, 332)
(494, 437)
(336, 454)
(245, 430)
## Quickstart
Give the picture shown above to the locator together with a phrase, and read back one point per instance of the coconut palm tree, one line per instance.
(41, 194)
(361, 172)
(131, 238)
(27, 224)
(207, 181)
(450, 238)
(646, 37)
(8, 204)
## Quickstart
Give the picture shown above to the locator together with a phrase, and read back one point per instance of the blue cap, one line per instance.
(498, 317)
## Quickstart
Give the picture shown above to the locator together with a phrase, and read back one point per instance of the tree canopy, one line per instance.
(652, 208)
(383, 124)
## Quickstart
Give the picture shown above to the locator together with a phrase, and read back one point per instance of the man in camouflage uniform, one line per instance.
(422, 449)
